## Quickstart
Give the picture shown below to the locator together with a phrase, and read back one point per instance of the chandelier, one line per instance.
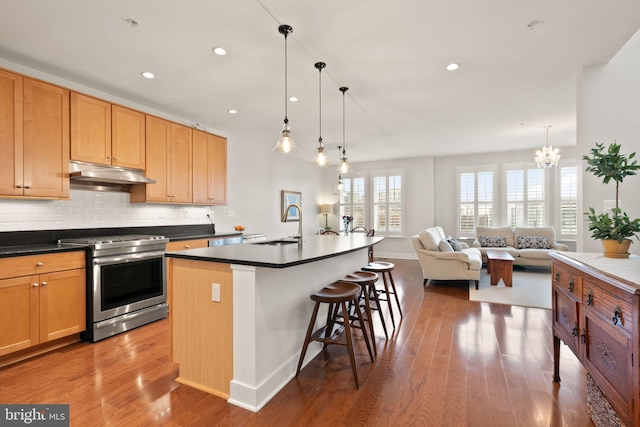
(547, 156)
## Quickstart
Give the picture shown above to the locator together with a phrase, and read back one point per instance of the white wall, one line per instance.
(608, 111)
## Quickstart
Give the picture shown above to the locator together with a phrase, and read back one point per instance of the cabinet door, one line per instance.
(18, 314)
(46, 140)
(127, 138)
(10, 134)
(90, 129)
(565, 318)
(62, 304)
(157, 162)
(180, 164)
(209, 169)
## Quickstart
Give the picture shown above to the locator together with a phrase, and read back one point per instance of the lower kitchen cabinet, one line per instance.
(595, 313)
(43, 305)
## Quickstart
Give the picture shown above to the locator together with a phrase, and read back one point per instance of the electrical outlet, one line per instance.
(185, 213)
(215, 292)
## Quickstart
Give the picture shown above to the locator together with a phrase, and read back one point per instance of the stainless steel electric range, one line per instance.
(126, 282)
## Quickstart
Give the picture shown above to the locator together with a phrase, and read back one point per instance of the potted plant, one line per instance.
(613, 228)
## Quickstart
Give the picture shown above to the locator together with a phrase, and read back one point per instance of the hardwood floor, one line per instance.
(450, 362)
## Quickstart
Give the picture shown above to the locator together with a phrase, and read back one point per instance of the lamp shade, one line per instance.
(326, 209)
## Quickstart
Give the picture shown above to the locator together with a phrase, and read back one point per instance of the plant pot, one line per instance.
(613, 249)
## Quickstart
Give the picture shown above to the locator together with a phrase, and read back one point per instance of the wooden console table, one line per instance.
(596, 309)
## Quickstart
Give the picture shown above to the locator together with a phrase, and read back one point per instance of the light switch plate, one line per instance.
(215, 292)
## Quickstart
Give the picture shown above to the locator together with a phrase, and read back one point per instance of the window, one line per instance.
(568, 201)
(525, 197)
(352, 201)
(387, 202)
(475, 190)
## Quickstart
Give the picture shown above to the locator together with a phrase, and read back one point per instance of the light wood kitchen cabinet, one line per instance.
(209, 169)
(42, 299)
(596, 314)
(34, 128)
(106, 134)
(168, 161)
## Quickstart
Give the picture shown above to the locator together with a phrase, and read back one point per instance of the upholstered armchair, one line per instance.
(439, 261)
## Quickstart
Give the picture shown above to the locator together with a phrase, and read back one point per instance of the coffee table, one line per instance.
(500, 266)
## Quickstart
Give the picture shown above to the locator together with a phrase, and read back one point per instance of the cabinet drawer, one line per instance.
(568, 280)
(607, 302)
(38, 264)
(187, 244)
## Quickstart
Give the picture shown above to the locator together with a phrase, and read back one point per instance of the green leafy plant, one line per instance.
(609, 164)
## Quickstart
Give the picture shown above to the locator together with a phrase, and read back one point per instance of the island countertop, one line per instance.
(314, 248)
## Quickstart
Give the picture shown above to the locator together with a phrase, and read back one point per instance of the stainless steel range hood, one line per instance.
(105, 178)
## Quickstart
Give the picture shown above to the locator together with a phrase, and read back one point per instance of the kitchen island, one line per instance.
(239, 313)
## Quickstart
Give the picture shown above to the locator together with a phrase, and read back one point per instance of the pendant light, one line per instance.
(285, 142)
(339, 185)
(344, 166)
(547, 156)
(321, 157)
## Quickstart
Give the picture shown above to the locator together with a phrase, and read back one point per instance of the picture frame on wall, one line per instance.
(290, 198)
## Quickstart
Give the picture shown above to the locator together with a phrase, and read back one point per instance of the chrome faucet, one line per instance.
(285, 216)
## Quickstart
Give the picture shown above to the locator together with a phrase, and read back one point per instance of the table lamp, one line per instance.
(326, 210)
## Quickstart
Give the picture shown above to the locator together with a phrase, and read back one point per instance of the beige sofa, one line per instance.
(440, 262)
(530, 251)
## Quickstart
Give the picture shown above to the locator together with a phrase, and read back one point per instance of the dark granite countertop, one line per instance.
(20, 243)
(314, 248)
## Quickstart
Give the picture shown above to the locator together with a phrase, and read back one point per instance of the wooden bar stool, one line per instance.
(384, 269)
(367, 280)
(337, 295)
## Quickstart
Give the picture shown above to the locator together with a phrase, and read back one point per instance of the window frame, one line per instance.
(526, 167)
(372, 205)
(475, 170)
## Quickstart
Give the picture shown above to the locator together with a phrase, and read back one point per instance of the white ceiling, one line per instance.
(392, 55)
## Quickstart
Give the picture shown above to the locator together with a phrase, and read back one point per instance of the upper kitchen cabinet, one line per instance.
(34, 138)
(168, 161)
(106, 134)
(209, 169)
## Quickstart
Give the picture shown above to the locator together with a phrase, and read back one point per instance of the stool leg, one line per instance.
(367, 309)
(374, 293)
(363, 326)
(307, 338)
(395, 293)
(347, 329)
(386, 291)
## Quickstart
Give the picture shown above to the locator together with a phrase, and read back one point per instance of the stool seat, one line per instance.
(365, 277)
(336, 292)
(379, 266)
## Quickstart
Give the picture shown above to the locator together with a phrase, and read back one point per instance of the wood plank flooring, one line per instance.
(450, 362)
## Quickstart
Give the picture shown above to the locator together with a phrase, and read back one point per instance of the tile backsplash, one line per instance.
(93, 209)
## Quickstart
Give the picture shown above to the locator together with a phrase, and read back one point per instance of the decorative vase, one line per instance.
(613, 249)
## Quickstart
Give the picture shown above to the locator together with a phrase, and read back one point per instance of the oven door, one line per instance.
(127, 283)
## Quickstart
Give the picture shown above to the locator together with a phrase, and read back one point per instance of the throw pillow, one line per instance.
(492, 242)
(533, 242)
(457, 247)
(444, 246)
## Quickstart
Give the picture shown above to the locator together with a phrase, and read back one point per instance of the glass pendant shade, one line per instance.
(344, 166)
(547, 156)
(285, 143)
(339, 185)
(321, 157)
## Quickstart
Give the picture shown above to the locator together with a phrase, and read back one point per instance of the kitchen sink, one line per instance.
(277, 242)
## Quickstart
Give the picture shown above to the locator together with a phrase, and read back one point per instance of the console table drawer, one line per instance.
(610, 304)
(568, 281)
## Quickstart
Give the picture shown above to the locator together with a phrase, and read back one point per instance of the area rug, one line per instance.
(531, 288)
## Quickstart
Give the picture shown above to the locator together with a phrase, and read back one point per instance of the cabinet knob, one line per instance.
(574, 332)
(187, 246)
(583, 337)
(19, 186)
(556, 278)
(108, 157)
(27, 186)
(44, 283)
(35, 285)
(40, 264)
(115, 158)
(590, 297)
(571, 283)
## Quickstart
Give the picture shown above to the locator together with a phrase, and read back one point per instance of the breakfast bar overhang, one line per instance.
(239, 313)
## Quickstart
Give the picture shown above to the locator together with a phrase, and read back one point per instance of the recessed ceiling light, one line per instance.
(293, 99)
(219, 51)
(232, 111)
(453, 66)
(147, 75)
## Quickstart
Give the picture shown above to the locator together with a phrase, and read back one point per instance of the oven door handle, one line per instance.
(119, 259)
